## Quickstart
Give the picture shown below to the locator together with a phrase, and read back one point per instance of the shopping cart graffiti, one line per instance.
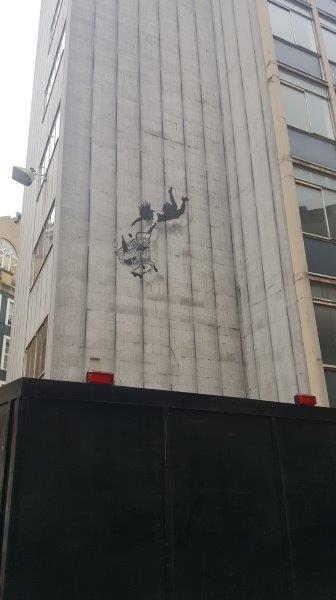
(136, 254)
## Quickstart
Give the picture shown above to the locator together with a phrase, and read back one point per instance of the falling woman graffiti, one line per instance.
(169, 211)
(136, 253)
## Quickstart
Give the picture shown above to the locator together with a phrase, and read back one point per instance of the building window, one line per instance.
(54, 69)
(330, 43)
(330, 375)
(8, 258)
(324, 298)
(329, 34)
(36, 352)
(44, 243)
(293, 24)
(4, 353)
(306, 105)
(317, 210)
(54, 21)
(9, 312)
(50, 146)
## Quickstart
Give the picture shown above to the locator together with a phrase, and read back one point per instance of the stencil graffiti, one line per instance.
(136, 252)
(169, 211)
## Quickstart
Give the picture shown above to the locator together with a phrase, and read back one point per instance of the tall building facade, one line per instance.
(184, 234)
(9, 250)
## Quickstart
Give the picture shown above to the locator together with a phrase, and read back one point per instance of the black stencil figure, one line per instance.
(169, 211)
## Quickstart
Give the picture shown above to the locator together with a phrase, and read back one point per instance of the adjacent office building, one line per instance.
(9, 247)
(184, 233)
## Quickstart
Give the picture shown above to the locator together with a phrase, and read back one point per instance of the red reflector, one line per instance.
(100, 378)
(305, 400)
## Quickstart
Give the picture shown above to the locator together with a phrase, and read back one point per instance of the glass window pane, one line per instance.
(320, 116)
(297, 81)
(30, 358)
(297, 57)
(316, 178)
(327, 5)
(296, 112)
(326, 326)
(311, 210)
(330, 43)
(320, 151)
(57, 127)
(333, 71)
(330, 202)
(322, 291)
(321, 256)
(331, 386)
(281, 22)
(304, 32)
(37, 372)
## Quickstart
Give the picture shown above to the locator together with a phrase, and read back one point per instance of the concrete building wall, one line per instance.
(33, 302)
(161, 93)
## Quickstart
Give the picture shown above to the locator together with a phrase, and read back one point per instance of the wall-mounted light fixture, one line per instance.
(26, 176)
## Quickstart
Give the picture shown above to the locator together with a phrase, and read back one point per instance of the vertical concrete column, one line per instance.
(254, 265)
(68, 331)
(185, 375)
(202, 294)
(100, 309)
(245, 317)
(223, 289)
(156, 326)
(129, 328)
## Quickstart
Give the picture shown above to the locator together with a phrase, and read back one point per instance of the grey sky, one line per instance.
(18, 37)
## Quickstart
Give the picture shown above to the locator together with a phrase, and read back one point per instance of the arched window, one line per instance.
(7, 247)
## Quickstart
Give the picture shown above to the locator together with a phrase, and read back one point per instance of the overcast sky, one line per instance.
(18, 37)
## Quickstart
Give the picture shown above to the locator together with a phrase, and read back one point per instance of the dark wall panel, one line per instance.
(4, 416)
(225, 509)
(88, 504)
(308, 452)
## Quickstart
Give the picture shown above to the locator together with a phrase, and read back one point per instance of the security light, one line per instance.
(26, 176)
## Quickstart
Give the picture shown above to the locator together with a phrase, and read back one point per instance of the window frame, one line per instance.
(52, 133)
(4, 355)
(328, 303)
(10, 303)
(45, 254)
(43, 329)
(304, 14)
(54, 22)
(325, 281)
(320, 188)
(54, 71)
(305, 91)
